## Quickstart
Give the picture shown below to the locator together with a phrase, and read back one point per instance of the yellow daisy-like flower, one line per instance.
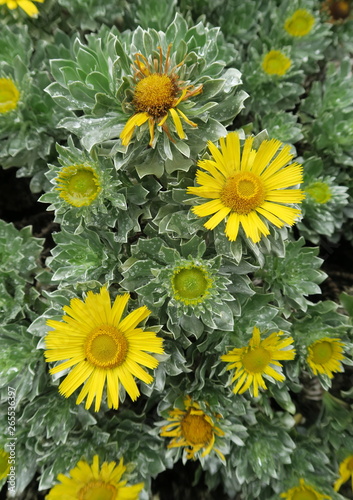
(26, 5)
(193, 429)
(245, 188)
(4, 464)
(345, 472)
(300, 23)
(303, 492)
(324, 356)
(257, 359)
(339, 11)
(157, 94)
(276, 63)
(9, 95)
(91, 482)
(104, 348)
(79, 185)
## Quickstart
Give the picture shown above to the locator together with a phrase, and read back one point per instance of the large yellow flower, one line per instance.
(104, 348)
(303, 492)
(345, 472)
(324, 356)
(193, 429)
(248, 188)
(157, 94)
(26, 5)
(91, 482)
(257, 359)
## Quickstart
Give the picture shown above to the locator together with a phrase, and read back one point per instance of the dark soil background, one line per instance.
(21, 207)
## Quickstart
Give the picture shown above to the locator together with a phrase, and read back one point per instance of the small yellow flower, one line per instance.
(9, 95)
(319, 191)
(300, 23)
(4, 464)
(78, 185)
(324, 356)
(276, 63)
(157, 95)
(345, 472)
(91, 482)
(303, 492)
(249, 188)
(260, 357)
(191, 284)
(26, 5)
(192, 428)
(103, 348)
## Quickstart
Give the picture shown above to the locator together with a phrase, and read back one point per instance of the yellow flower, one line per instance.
(257, 359)
(9, 95)
(191, 284)
(91, 482)
(104, 348)
(157, 94)
(345, 472)
(245, 188)
(303, 492)
(4, 464)
(276, 63)
(78, 185)
(192, 428)
(339, 11)
(26, 5)
(300, 23)
(325, 356)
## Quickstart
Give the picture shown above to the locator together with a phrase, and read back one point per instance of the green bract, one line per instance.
(184, 288)
(99, 80)
(324, 205)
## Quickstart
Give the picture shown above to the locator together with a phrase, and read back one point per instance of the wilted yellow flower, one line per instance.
(157, 94)
(193, 429)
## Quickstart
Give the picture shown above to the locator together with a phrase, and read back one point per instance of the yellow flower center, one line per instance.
(9, 95)
(319, 191)
(321, 352)
(155, 95)
(256, 359)
(300, 23)
(78, 185)
(97, 490)
(304, 494)
(106, 347)
(196, 430)
(243, 192)
(276, 63)
(340, 9)
(190, 285)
